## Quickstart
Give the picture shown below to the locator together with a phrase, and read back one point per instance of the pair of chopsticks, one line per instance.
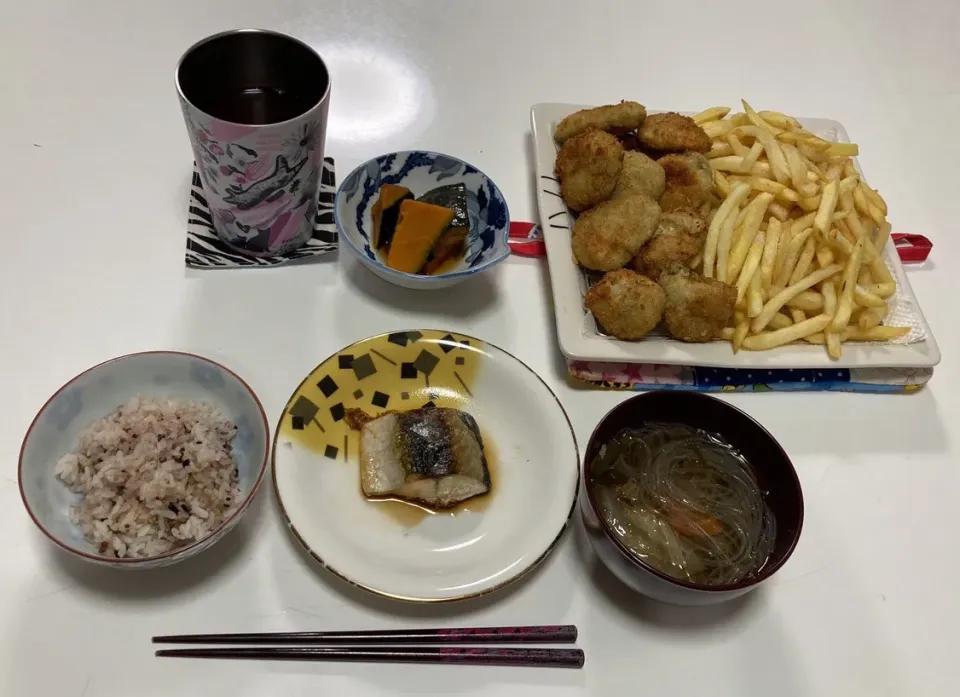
(391, 646)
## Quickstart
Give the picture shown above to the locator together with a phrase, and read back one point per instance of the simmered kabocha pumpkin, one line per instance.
(418, 229)
(453, 241)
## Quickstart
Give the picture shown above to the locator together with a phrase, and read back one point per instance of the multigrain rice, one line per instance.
(153, 476)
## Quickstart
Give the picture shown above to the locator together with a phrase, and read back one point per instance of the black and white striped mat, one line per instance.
(206, 251)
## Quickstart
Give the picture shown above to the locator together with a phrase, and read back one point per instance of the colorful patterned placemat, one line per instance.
(642, 377)
(206, 251)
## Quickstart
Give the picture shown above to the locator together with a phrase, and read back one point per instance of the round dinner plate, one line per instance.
(394, 548)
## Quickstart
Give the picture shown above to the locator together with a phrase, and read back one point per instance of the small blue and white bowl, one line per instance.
(420, 171)
(97, 392)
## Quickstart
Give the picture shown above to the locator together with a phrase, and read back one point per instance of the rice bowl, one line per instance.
(101, 469)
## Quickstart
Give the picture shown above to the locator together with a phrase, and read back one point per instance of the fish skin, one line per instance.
(424, 443)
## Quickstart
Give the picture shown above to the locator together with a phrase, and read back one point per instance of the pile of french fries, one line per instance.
(798, 233)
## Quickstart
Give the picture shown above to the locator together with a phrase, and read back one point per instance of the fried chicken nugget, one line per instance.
(615, 118)
(673, 132)
(609, 236)
(640, 174)
(697, 308)
(588, 166)
(688, 181)
(626, 304)
(679, 237)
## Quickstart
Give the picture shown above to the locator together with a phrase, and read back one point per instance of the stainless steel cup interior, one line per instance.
(242, 59)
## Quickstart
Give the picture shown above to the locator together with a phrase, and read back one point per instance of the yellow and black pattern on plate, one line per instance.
(391, 372)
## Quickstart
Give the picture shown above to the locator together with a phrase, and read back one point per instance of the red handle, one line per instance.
(526, 239)
(912, 249)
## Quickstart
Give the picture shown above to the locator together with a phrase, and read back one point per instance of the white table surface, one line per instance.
(95, 172)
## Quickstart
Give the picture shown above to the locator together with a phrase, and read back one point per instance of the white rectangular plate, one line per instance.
(576, 330)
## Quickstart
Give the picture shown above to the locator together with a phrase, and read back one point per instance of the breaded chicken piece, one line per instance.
(609, 236)
(639, 174)
(626, 304)
(679, 237)
(697, 308)
(688, 183)
(614, 118)
(588, 166)
(673, 133)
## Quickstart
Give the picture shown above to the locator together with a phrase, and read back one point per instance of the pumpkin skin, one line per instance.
(386, 211)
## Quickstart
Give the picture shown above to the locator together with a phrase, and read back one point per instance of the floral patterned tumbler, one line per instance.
(255, 103)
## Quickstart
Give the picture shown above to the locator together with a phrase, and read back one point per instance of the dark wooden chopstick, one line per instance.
(535, 658)
(539, 634)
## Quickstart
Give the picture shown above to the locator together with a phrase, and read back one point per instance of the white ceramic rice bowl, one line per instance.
(97, 392)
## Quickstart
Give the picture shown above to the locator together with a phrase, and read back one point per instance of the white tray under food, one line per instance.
(577, 330)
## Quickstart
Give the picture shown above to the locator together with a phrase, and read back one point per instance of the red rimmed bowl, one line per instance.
(771, 465)
(97, 392)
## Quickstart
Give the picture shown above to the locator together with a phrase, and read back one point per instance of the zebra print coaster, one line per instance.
(206, 251)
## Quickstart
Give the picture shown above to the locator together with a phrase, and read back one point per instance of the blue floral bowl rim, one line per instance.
(174, 552)
(400, 274)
